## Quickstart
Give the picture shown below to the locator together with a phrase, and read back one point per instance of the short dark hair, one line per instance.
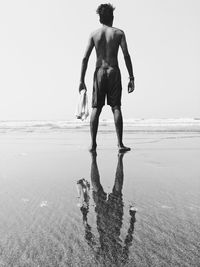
(105, 12)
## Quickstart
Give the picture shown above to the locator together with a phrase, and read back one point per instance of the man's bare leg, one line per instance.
(119, 128)
(94, 122)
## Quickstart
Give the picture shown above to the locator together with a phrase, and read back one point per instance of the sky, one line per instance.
(42, 43)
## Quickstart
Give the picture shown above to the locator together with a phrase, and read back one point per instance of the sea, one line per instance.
(190, 125)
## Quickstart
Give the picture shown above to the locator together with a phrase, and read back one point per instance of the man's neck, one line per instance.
(107, 25)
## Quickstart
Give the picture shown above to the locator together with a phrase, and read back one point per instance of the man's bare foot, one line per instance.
(93, 154)
(123, 149)
(121, 154)
(92, 148)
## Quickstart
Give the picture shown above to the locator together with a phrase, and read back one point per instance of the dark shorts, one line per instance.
(107, 83)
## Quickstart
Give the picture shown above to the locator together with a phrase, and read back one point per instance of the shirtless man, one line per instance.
(107, 77)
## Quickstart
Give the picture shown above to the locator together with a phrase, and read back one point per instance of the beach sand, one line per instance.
(44, 223)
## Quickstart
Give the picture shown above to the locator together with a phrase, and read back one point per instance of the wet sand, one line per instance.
(41, 223)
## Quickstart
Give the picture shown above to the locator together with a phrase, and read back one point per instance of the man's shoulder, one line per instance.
(99, 30)
(93, 33)
(118, 31)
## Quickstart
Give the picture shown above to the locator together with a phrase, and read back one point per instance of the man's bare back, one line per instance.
(107, 41)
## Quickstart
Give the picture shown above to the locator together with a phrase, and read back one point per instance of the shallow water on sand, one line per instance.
(44, 223)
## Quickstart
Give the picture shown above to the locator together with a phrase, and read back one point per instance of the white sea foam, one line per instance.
(180, 124)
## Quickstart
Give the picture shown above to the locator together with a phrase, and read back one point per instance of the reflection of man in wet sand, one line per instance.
(107, 77)
(109, 211)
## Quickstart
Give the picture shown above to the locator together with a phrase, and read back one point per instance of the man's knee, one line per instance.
(97, 110)
(117, 107)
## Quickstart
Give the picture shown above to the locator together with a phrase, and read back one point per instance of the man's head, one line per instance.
(105, 12)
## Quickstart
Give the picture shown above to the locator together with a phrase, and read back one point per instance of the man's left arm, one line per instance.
(127, 58)
(85, 63)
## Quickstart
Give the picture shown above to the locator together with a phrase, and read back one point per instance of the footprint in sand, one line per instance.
(43, 204)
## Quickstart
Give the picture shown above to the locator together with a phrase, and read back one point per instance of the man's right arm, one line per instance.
(85, 62)
(128, 62)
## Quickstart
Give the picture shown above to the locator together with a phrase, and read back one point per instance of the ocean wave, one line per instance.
(168, 124)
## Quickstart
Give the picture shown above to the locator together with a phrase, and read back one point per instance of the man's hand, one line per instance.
(82, 86)
(131, 86)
